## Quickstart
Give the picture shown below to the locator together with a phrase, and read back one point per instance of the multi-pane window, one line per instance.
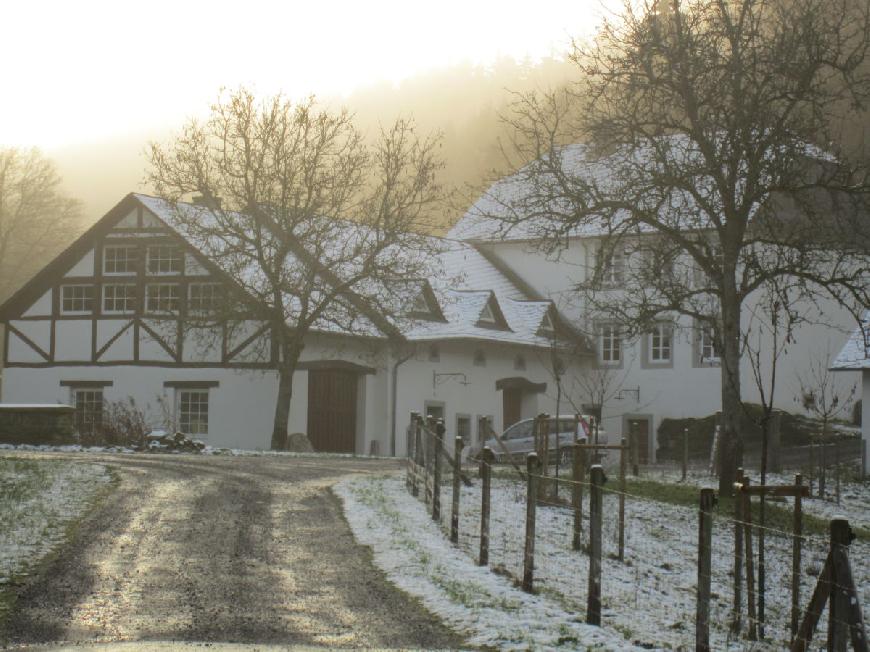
(660, 340)
(203, 297)
(610, 346)
(707, 344)
(613, 267)
(162, 297)
(77, 298)
(463, 428)
(120, 260)
(119, 298)
(193, 411)
(89, 410)
(165, 259)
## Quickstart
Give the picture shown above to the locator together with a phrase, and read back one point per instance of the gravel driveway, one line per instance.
(230, 549)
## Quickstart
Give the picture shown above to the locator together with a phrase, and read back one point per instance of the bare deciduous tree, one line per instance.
(318, 230)
(36, 218)
(704, 166)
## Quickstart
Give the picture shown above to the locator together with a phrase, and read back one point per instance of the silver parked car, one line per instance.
(518, 440)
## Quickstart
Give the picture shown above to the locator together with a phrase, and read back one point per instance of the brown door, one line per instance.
(638, 430)
(332, 410)
(511, 410)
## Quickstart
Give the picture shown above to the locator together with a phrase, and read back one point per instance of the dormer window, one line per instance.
(486, 315)
(547, 326)
(491, 316)
(424, 305)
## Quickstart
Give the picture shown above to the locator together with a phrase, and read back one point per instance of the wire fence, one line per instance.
(662, 575)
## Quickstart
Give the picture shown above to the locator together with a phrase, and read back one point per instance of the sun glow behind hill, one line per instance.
(98, 70)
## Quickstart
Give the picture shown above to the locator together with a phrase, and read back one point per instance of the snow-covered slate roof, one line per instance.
(855, 354)
(522, 205)
(462, 280)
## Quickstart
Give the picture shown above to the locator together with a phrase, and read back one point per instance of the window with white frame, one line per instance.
(707, 345)
(487, 316)
(120, 260)
(162, 297)
(612, 267)
(119, 298)
(660, 343)
(165, 259)
(203, 297)
(610, 344)
(88, 403)
(193, 411)
(77, 298)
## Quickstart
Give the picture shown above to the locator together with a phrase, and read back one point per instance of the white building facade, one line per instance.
(107, 321)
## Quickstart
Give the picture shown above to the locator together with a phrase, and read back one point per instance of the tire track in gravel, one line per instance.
(239, 550)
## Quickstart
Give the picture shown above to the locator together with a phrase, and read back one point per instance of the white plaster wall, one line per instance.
(865, 418)
(479, 397)
(41, 307)
(241, 408)
(84, 266)
(683, 390)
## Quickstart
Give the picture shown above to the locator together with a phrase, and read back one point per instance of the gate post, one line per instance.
(436, 471)
(622, 490)
(838, 603)
(797, 532)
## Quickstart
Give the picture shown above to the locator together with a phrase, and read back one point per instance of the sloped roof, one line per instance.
(461, 278)
(855, 354)
(532, 200)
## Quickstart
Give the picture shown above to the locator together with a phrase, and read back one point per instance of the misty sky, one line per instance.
(93, 70)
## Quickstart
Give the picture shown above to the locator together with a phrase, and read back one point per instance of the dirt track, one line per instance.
(242, 550)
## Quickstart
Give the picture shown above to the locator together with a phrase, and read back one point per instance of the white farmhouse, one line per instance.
(670, 372)
(106, 321)
(854, 357)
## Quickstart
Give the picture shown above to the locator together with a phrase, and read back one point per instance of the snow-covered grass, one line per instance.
(208, 450)
(487, 608)
(648, 600)
(39, 502)
(854, 496)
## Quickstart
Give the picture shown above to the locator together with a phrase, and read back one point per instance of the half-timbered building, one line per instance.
(117, 316)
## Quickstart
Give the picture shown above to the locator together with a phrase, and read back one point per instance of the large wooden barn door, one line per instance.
(332, 410)
(512, 406)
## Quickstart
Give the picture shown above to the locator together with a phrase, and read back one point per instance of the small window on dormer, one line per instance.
(547, 323)
(486, 315)
(479, 358)
(420, 304)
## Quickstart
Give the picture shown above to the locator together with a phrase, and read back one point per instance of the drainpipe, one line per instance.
(395, 400)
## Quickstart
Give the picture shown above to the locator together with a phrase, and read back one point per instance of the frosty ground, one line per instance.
(649, 601)
(39, 500)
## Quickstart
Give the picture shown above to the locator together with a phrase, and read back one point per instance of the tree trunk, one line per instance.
(731, 437)
(286, 369)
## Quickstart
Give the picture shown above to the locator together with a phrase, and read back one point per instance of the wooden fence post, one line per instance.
(436, 471)
(486, 459)
(577, 473)
(705, 537)
(748, 558)
(797, 533)
(457, 476)
(593, 603)
(622, 490)
(685, 453)
(415, 435)
(532, 468)
(838, 603)
(737, 607)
